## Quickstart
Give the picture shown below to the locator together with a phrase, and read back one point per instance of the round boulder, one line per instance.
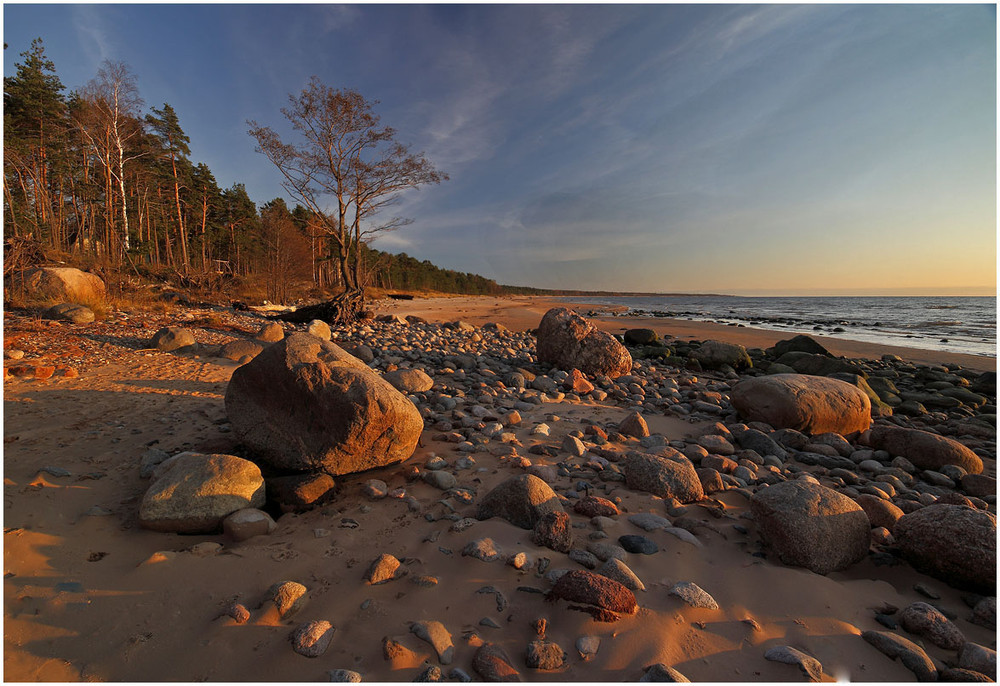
(924, 449)
(953, 543)
(811, 526)
(306, 405)
(716, 354)
(240, 348)
(409, 380)
(65, 284)
(662, 476)
(193, 493)
(521, 500)
(810, 404)
(77, 314)
(172, 338)
(567, 340)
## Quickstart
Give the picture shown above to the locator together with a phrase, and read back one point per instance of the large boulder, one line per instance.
(925, 450)
(799, 344)
(953, 543)
(716, 354)
(663, 476)
(409, 380)
(810, 404)
(567, 340)
(193, 493)
(811, 526)
(819, 365)
(171, 338)
(521, 500)
(304, 404)
(70, 312)
(65, 284)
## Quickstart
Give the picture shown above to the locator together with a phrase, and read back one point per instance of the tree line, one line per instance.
(94, 175)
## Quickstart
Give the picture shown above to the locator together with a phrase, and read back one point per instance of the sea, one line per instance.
(954, 324)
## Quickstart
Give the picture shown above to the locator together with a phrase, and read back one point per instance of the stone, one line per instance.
(924, 449)
(492, 663)
(716, 354)
(311, 639)
(521, 500)
(150, 460)
(880, 512)
(172, 338)
(319, 329)
(617, 570)
(588, 646)
(409, 380)
(594, 506)
(978, 659)
(909, 653)
(799, 344)
(809, 665)
(953, 543)
(64, 284)
(545, 655)
(634, 425)
(440, 479)
(693, 595)
(640, 337)
(240, 348)
(306, 405)
(633, 543)
(76, 314)
(383, 569)
(193, 493)
(985, 613)
(647, 521)
(438, 637)
(553, 530)
(247, 523)
(819, 365)
(270, 333)
(567, 340)
(288, 597)
(711, 480)
(660, 672)
(810, 404)
(927, 622)
(344, 676)
(579, 586)
(484, 549)
(811, 526)
(667, 478)
(301, 492)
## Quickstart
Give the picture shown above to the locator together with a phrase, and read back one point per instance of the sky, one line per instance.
(744, 149)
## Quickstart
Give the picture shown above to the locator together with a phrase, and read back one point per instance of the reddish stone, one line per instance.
(70, 373)
(43, 373)
(577, 383)
(593, 506)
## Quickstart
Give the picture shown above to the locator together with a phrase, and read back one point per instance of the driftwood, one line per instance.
(342, 309)
(401, 296)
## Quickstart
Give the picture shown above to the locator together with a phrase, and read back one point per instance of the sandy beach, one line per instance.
(89, 595)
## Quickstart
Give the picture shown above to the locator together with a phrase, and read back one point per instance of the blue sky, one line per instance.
(757, 149)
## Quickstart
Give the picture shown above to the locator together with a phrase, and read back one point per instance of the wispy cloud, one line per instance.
(92, 33)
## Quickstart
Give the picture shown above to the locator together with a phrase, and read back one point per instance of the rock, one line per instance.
(985, 613)
(409, 380)
(810, 404)
(617, 570)
(716, 354)
(306, 405)
(641, 545)
(926, 621)
(810, 666)
(376, 489)
(667, 478)
(301, 492)
(344, 676)
(799, 344)
(288, 597)
(193, 493)
(384, 568)
(640, 337)
(521, 500)
(910, 654)
(312, 638)
(361, 352)
(659, 672)
(77, 314)
(579, 586)
(711, 480)
(484, 549)
(440, 479)
(437, 635)
(553, 530)
(979, 485)
(880, 512)
(151, 459)
(819, 365)
(594, 506)
(634, 425)
(319, 329)
(492, 663)
(65, 284)
(693, 595)
(879, 408)
(270, 333)
(953, 543)
(958, 674)
(247, 523)
(545, 655)
(647, 521)
(811, 526)
(240, 348)
(430, 673)
(588, 646)
(978, 659)
(925, 450)
(567, 340)
(172, 338)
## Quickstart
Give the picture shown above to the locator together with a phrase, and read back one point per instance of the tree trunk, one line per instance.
(344, 308)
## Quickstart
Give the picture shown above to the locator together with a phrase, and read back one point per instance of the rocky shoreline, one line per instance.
(583, 486)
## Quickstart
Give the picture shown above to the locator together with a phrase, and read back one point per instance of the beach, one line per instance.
(91, 595)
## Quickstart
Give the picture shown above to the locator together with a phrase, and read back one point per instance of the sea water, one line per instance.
(952, 324)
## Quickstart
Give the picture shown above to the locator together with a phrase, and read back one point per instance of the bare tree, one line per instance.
(111, 126)
(345, 169)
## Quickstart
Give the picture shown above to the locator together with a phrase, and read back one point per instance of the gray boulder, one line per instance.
(172, 338)
(306, 405)
(77, 314)
(953, 543)
(716, 354)
(924, 449)
(521, 500)
(409, 380)
(568, 341)
(667, 478)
